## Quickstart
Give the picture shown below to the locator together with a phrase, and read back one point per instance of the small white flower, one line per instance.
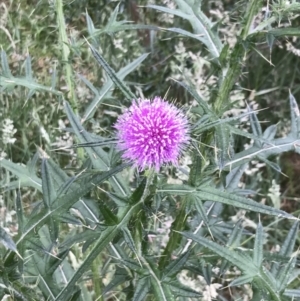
(8, 131)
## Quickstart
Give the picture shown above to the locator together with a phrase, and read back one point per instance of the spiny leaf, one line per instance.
(105, 238)
(233, 242)
(129, 240)
(28, 70)
(197, 97)
(258, 246)
(216, 195)
(295, 117)
(277, 146)
(241, 280)
(142, 288)
(99, 96)
(112, 74)
(49, 193)
(183, 291)
(176, 265)
(26, 178)
(234, 176)
(255, 124)
(4, 64)
(285, 31)
(64, 202)
(53, 262)
(110, 219)
(222, 138)
(20, 213)
(270, 132)
(287, 248)
(6, 240)
(235, 258)
(293, 293)
(96, 154)
(285, 273)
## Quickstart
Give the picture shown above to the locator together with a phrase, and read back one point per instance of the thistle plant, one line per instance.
(113, 219)
(151, 133)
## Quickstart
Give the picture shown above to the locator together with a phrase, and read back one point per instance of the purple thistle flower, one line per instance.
(152, 133)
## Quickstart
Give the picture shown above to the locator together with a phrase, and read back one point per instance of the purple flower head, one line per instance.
(151, 133)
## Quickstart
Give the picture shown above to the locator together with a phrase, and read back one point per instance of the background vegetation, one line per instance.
(80, 224)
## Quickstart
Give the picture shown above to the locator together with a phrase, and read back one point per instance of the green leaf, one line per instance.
(258, 246)
(112, 74)
(293, 293)
(31, 85)
(234, 176)
(176, 265)
(277, 146)
(161, 291)
(241, 280)
(26, 178)
(96, 154)
(49, 193)
(175, 12)
(285, 31)
(270, 132)
(20, 213)
(90, 26)
(105, 238)
(287, 248)
(201, 25)
(180, 290)
(255, 124)
(235, 236)
(142, 288)
(206, 271)
(73, 238)
(222, 139)
(285, 273)
(6, 240)
(129, 240)
(271, 164)
(110, 219)
(237, 259)
(199, 207)
(46, 283)
(176, 189)
(197, 97)
(122, 27)
(216, 195)
(4, 64)
(53, 262)
(195, 175)
(63, 203)
(28, 70)
(99, 96)
(295, 117)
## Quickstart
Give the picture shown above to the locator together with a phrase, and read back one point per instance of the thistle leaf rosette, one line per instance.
(152, 133)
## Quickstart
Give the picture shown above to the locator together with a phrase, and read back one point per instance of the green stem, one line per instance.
(228, 77)
(230, 73)
(175, 237)
(97, 283)
(63, 39)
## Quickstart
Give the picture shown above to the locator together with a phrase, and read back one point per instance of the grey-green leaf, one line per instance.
(258, 246)
(235, 258)
(6, 240)
(141, 289)
(112, 74)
